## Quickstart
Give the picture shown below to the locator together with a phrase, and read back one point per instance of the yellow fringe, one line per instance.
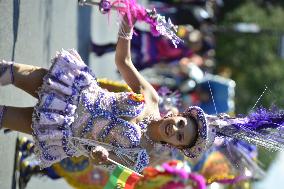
(113, 86)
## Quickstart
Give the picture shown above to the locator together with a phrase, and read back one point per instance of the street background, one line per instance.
(31, 32)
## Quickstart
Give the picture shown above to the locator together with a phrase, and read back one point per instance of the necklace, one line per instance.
(144, 127)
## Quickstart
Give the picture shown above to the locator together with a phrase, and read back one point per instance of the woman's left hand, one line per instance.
(99, 155)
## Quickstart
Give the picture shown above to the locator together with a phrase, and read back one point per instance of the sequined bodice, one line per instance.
(102, 114)
(74, 115)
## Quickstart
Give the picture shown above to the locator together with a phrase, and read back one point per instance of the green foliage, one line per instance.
(253, 58)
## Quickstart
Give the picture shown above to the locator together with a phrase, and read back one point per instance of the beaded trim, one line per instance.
(142, 161)
(78, 90)
(43, 148)
(137, 155)
(144, 125)
(96, 111)
(205, 136)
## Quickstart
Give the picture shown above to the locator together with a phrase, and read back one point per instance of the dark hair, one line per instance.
(196, 134)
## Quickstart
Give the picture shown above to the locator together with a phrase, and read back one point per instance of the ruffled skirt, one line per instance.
(56, 110)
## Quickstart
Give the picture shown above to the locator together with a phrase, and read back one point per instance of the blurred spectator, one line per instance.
(148, 50)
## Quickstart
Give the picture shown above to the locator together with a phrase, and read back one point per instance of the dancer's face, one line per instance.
(178, 131)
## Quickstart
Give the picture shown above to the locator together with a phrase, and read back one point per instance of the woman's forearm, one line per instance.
(124, 64)
(123, 58)
(123, 54)
(123, 48)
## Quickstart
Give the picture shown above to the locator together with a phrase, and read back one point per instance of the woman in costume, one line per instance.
(74, 116)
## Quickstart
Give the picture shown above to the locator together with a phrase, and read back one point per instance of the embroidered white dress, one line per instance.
(74, 114)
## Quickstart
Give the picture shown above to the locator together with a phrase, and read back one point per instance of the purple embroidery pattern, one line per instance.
(68, 85)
